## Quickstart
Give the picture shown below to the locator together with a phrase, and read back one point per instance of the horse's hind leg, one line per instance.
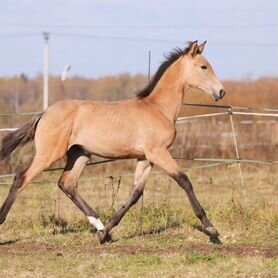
(21, 180)
(142, 173)
(76, 162)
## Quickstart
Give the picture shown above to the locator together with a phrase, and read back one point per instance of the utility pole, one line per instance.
(45, 73)
(16, 102)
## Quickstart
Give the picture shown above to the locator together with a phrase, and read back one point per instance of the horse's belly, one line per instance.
(114, 151)
(109, 146)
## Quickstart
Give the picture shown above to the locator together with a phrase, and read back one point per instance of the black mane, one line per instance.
(170, 59)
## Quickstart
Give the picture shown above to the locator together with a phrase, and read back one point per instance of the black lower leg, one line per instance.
(72, 193)
(83, 206)
(122, 211)
(185, 183)
(18, 180)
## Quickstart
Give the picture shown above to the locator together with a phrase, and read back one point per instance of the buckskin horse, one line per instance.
(142, 127)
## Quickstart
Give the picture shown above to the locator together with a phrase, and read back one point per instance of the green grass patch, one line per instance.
(197, 257)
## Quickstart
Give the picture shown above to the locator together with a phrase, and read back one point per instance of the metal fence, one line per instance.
(230, 111)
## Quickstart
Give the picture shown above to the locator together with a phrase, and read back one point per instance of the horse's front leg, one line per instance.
(142, 173)
(163, 159)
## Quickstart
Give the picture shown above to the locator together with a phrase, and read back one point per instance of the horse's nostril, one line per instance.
(222, 93)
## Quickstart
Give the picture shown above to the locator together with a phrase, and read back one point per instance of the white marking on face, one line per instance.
(96, 222)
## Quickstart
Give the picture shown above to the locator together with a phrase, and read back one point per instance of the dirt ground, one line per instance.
(205, 249)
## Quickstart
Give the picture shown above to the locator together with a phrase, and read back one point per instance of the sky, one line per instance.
(101, 37)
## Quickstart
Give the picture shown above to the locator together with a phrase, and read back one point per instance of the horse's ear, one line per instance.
(201, 47)
(193, 51)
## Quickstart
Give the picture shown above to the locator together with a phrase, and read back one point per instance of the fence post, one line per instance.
(237, 154)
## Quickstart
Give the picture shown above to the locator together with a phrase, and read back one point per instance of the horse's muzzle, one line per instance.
(220, 95)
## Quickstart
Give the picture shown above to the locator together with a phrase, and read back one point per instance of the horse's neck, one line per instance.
(169, 91)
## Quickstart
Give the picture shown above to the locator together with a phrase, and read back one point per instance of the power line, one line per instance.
(177, 26)
(136, 39)
(18, 35)
(108, 37)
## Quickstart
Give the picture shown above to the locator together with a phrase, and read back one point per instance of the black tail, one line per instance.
(19, 137)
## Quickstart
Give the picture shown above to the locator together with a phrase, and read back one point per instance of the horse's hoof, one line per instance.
(103, 236)
(211, 231)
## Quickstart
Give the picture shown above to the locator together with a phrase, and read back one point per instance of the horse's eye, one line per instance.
(204, 67)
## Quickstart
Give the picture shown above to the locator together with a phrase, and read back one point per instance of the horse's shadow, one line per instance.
(8, 242)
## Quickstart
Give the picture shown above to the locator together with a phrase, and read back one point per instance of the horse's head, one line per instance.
(200, 74)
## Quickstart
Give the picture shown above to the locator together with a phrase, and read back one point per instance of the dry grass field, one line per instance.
(45, 235)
